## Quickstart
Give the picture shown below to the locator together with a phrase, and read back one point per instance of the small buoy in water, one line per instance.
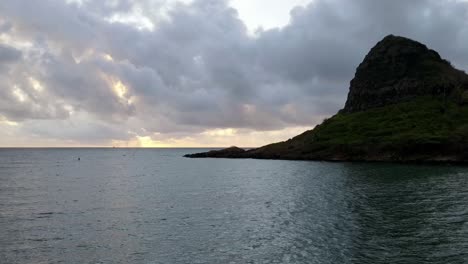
(79, 159)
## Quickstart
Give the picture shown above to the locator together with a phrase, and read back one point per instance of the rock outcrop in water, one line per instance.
(405, 103)
(232, 152)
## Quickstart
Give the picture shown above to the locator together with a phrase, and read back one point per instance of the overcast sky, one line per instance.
(195, 73)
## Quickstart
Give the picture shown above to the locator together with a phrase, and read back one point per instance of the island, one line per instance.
(405, 104)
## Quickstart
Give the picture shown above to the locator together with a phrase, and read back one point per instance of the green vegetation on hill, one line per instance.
(414, 129)
(423, 120)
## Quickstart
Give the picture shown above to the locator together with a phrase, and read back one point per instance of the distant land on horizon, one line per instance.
(405, 104)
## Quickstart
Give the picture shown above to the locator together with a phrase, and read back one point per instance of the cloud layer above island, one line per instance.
(165, 73)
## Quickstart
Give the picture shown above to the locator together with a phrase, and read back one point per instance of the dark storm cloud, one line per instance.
(198, 67)
(8, 54)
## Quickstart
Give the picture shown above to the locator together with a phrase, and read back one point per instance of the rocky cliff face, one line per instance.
(398, 69)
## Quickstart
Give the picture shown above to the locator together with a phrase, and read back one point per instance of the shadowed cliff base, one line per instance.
(405, 104)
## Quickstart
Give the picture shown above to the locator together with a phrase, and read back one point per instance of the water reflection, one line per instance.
(408, 214)
(152, 206)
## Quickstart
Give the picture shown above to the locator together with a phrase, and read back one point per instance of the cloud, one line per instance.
(172, 70)
(8, 54)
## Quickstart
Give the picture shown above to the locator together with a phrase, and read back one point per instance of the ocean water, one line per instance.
(154, 206)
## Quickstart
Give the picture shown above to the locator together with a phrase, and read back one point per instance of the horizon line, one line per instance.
(65, 147)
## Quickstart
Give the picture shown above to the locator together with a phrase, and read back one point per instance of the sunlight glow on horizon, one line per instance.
(272, 14)
(208, 139)
(215, 138)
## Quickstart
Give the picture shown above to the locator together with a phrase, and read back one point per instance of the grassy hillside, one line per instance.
(417, 129)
